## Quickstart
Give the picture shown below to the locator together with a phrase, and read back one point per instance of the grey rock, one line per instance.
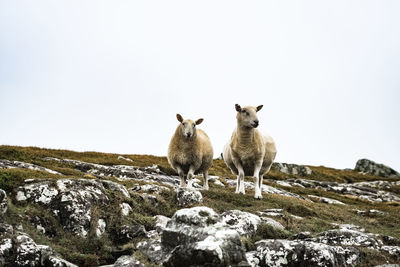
(128, 261)
(113, 186)
(187, 197)
(243, 222)
(292, 169)
(154, 250)
(7, 164)
(160, 222)
(5, 250)
(70, 200)
(123, 158)
(150, 199)
(129, 232)
(272, 222)
(275, 252)
(388, 265)
(371, 167)
(28, 253)
(125, 209)
(326, 200)
(196, 237)
(3, 202)
(149, 188)
(123, 172)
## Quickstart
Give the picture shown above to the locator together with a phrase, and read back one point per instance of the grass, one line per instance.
(94, 251)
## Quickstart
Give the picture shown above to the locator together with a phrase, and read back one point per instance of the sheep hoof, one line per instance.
(258, 197)
(205, 187)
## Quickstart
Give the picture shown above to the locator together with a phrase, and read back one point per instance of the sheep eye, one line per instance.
(183, 123)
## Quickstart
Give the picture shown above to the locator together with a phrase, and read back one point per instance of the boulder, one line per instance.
(197, 237)
(325, 200)
(3, 201)
(129, 232)
(187, 197)
(371, 167)
(243, 222)
(292, 169)
(128, 261)
(276, 252)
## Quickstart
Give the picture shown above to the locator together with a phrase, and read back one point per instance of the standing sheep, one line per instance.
(249, 152)
(190, 151)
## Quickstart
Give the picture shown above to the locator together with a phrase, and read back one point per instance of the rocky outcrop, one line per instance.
(279, 252)
(371, 167)
(243, 222)
(292, 169)
(365, 190)
(18, 249)
(8, 164)
(70, 200)
(123, 172)
(128, 261)
(325, 200)
(196, 237)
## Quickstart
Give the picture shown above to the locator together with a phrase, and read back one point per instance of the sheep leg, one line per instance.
(182, 176)
(190, 177)
(205, 176)
(257, 180)
(240, 177)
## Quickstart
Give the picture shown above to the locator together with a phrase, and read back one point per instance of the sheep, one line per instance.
(190, 151)
(249, 153)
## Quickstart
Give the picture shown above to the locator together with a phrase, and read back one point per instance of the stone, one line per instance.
(277, 252)
(197, 236)
(292, 169)
(187, 197)
(326, 200)
(113, 186)
(123, 158)
(154, 250)
(101, 227)
(149, 188)
(128, 261)
(371, 167)
(160, 222)
(125, 209)
(129, 232)
(7, 164)
(3, 202)
(243, 222)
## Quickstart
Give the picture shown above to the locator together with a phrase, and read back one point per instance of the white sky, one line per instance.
(111, 75)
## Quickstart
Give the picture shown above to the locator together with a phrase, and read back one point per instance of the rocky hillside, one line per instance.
(64, 208)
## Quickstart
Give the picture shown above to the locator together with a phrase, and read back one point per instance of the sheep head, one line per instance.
(247, 116)
(188, 127)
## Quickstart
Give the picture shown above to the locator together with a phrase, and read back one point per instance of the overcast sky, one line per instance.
(110, 76)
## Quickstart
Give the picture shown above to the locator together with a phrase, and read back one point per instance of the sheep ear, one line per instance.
(199, 121)
(238, 108)
(179, 117)
(259, 107)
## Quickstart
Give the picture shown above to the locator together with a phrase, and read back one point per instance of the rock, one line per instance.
(101, 227)
(3, 201)
(364, 190)
(371, 167)
(196, 237)
(70, 200)
(123, 172)
(129, 232)
(160, 222)
(113, 186)
(187, 197)
(150, 199)
(326, 200)
(150, 188)
(5, 250)
(128, 261)
(28, 253)
(125, 209)
(277, 252)
(292, 169)
(7, 164)
(369, 212)
(154, 250)
(243, 222)
(272, 222)
(123, 158)
(387, 265)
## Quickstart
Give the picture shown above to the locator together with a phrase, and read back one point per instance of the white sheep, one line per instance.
(190, 151)
(249, 153)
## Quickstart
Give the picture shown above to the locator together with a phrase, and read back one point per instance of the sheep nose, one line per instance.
(255, 123)
(188, 134)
